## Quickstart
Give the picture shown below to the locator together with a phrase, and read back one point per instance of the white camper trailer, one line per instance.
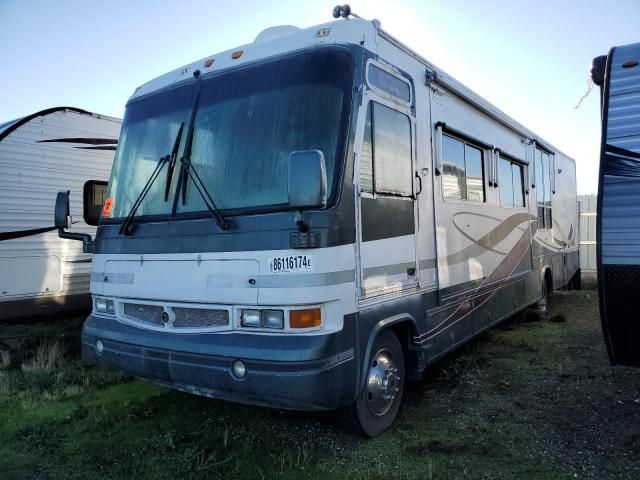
(40, 154)
(308, 220)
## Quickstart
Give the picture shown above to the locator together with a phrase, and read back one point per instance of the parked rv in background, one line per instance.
(618, 221)
(55, 149)
(308, 220)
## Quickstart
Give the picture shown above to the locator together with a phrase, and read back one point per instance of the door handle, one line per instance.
(420, 182)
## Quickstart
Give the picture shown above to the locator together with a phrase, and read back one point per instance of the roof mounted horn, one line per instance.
(343, 11)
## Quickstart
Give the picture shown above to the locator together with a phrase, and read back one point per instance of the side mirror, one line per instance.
(61, 217)
(93, 195)
(307, 180)
(62, 221)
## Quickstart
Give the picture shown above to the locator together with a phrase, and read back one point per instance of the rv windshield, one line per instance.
(248, 121)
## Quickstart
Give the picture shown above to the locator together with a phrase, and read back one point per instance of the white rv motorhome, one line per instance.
(618, 220)
(308, 220)
(40, 154)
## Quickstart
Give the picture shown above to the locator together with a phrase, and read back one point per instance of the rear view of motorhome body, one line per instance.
(618, 226)
(40, 154)
(307, 221)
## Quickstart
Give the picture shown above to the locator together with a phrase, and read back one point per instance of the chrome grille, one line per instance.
(181, 317)
(200, 317)
(144, 313)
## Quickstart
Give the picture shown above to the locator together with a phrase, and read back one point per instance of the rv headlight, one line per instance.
(250, 318)
(272, 318)
(103, 305)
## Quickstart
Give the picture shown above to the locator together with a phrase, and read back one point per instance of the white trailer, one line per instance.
(40, 154)
(308, 220)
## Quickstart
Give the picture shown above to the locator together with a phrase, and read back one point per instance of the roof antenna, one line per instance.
(343, 11)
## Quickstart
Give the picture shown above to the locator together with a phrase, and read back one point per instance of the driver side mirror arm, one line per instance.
(62, 221)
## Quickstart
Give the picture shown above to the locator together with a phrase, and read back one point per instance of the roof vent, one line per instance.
(275, 32)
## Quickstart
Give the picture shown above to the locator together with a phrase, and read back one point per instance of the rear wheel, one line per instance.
(377, 406)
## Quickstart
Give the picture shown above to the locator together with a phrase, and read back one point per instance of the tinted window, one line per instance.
(387, 140)
(475, 179)
(366, 157)
(547, 178)
(518, 185)
(539, 176)
(462, 170)
(505, 182)
(244, 131)
(510, 181)
(389, 83)
(453, 176)
(543, 187)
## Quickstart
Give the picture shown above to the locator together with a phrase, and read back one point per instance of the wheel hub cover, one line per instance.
(383, 383)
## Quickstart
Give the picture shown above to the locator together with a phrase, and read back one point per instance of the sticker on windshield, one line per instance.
(107, 209)
(291, 263)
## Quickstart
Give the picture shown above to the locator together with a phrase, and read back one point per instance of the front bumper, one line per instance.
(299, 372)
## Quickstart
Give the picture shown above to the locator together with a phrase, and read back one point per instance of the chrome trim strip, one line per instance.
(306, 280)
(397, 269)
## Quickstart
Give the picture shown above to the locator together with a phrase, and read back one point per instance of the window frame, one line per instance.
(550, 178)
(383, 93)
(367, 101)
(523, 170)
(474, 143)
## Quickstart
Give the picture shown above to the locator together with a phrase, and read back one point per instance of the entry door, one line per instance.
(387, 240)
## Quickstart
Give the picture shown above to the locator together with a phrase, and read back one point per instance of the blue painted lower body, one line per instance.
(301, 373)
(319, 372)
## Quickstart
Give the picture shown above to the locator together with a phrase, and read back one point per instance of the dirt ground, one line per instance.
(529, 399)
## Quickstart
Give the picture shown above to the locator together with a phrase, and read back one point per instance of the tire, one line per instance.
(377, 405)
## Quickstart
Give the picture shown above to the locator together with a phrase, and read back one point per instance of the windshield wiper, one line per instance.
(188, 171)
(172, 162)
(125, 228)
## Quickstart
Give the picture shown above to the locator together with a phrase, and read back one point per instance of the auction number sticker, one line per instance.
(291, 263)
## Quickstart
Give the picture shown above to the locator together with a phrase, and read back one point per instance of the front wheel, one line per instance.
(377, 405)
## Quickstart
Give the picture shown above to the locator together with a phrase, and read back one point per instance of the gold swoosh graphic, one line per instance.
(490, 240)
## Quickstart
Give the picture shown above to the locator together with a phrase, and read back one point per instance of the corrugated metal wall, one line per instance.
(621, 194)
(588, 209)
(31, 174)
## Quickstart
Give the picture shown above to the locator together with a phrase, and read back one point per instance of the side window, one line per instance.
(389, 83)
(543, 188)
(366, 157)
(462, 170)
(518, 184)
(385, 161)
(475, 177)
(539, 187)
(511, 177)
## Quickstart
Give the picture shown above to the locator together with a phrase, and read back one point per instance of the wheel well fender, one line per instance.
(401, 323)
(545, 271)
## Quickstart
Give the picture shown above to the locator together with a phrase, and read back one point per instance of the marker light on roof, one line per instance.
(237, 54)
(208, 62)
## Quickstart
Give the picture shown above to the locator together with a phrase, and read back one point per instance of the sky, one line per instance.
(529, 58)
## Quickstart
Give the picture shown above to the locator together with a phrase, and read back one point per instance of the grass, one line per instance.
(528, 400)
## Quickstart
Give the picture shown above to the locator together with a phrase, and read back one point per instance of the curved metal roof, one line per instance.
(8, 127)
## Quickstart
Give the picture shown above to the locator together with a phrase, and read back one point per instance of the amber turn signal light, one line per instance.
(305, 318)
